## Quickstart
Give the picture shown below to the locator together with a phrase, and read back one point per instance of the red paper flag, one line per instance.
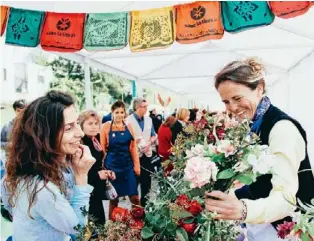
(285, 9)
(63, 32)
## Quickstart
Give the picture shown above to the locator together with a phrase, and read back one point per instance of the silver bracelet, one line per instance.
(244, 210)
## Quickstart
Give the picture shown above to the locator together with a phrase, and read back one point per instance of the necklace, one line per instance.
(121, 129)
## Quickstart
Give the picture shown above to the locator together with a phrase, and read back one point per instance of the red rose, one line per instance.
(120, 215)
(189, 227)
(168, 169)
(137, 212)
(285, 229)
(220, 133)
(195, 208)
(183, 201)
(211, 137)
(136, 224)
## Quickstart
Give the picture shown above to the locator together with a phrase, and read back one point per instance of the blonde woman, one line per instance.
(183, 116)
(97, 176)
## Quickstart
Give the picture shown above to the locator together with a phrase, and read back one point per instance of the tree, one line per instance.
(69, 76)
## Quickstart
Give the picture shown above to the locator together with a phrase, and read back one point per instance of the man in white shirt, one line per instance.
(145, 136)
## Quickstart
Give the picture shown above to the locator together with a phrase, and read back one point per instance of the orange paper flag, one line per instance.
(198, 21)
(63, 32)
(286, 9)
(3, 18)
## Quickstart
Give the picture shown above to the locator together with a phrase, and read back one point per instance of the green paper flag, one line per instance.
(106, 31)
(23, 27)
(242, 15)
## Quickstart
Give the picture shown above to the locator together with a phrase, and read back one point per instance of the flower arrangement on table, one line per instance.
(126, 225)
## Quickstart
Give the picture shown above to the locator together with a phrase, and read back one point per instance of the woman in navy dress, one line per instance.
(121, 155)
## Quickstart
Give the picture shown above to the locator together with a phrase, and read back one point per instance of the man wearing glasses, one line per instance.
(145, 136)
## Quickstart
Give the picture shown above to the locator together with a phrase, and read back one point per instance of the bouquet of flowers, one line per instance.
(302, 225)
(212, 154)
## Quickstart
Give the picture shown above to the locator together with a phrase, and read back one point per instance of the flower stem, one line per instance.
(207, 234)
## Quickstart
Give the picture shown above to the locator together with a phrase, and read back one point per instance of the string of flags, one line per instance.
(141, 30)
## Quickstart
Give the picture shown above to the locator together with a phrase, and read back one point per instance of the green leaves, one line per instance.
(182, 214)
(147, 233)
(245, 178)
(226, 174)
(218, 158)
(182, 235)
(305, 237)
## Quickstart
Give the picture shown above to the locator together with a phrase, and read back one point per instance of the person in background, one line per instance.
(106, 118)
(165, 138)
(156, 118)
(193, 114)
(117, 141)
(145, 137)
(45, 186)
(97, 176)
(183, 116)
(18, 107)
(267, 202)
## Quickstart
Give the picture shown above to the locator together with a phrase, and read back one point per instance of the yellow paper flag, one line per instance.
(152, 29)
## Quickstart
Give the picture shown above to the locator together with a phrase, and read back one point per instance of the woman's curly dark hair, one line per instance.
(34, 151)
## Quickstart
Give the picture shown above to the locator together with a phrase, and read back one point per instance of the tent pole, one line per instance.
(87, 85)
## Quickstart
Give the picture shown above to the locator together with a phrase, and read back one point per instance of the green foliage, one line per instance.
(69, 77)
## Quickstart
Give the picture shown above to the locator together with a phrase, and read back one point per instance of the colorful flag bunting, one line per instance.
(63, 32)
(152, 29)
(241, 15)
(198, 21)
(106, 31)
(3, 18)
(23, 27)
(287, 9)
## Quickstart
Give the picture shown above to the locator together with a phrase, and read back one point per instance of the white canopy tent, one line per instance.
(286, 47)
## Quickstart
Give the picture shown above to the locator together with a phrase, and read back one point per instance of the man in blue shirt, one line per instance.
(106, 118)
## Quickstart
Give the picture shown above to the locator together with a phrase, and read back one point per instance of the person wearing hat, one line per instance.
(18, 107)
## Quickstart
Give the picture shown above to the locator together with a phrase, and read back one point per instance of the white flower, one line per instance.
(252, 159)
(200, 171)
(296, 217)
(197, 150)
(265, 163)
(226, 147)
(240, 167)
(189, 154)
(261, 164)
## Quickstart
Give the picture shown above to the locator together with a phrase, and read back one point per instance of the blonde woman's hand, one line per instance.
(103, 175)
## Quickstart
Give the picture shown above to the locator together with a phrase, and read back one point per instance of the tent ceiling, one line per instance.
(189, 69)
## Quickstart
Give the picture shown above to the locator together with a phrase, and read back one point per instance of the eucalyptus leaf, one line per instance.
(182, 214)
(147, 233)
(245, 178)
(226, 174)
(182, 235)
(305, 237)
